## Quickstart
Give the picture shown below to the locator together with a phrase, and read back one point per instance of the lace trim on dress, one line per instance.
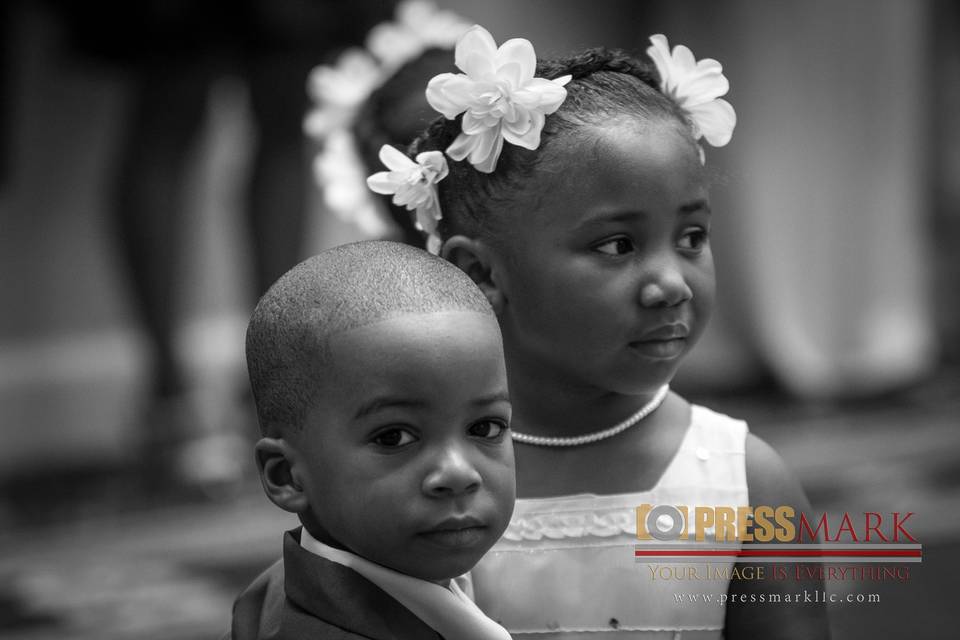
(555, 526)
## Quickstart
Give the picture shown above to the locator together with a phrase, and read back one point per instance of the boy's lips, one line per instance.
(456, 532)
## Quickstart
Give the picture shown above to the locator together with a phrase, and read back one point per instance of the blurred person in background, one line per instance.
(373, 96)
(395, 114)
(175, 52)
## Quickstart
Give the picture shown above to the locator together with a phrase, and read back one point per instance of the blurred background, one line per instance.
(155, 177)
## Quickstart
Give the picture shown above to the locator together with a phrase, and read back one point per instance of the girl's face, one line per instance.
(607, 273)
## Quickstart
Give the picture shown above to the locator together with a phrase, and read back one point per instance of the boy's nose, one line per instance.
(452, 475)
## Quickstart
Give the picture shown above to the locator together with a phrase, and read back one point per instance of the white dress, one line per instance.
(565, 567)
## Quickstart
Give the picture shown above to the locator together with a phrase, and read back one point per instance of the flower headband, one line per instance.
(501, 100)
(339, 90)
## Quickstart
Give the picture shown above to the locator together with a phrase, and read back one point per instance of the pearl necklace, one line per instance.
(546, 441)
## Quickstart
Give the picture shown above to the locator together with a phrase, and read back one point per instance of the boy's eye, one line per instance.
(615, 247)
(394, 438)
(694, 239)
(487, 429)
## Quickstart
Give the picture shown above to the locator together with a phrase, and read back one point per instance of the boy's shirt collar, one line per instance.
(447, 610)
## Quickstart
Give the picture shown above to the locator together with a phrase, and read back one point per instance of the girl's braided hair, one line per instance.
(606, 84)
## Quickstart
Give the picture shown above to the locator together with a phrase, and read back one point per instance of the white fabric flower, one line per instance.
(338, 90)
(498, 95)
(419, 25)
(412, 183)
(696, 86)
(338, 170)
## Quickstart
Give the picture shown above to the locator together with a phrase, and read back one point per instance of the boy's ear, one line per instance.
(477, 260)
(276, 461)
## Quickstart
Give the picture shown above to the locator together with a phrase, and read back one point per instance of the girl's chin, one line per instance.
(643, 379)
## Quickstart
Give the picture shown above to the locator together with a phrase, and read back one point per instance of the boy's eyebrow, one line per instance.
(388, 402)
(392, 402)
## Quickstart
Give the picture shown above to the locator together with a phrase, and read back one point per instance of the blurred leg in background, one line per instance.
(193, 437)
(185, 48)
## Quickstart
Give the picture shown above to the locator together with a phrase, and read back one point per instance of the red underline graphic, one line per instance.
(818, 553)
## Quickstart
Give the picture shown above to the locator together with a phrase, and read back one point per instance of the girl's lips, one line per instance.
(671, 331)
(661, 349)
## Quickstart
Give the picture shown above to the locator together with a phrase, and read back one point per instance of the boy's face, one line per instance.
(407, 460)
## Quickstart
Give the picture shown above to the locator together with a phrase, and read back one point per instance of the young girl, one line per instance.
(574, 193)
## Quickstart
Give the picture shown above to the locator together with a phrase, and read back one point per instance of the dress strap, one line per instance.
(712, 454)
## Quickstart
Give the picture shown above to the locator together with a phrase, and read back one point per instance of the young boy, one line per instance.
(381, 392)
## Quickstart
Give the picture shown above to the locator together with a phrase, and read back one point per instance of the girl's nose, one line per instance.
(452, 475)
(665, 286)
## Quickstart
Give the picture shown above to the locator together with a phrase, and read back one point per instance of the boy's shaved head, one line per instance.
(337, 290)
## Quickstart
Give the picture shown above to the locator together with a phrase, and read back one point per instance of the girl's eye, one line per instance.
(694, 239)
(487, 429)
(394, 438)
(615, 247)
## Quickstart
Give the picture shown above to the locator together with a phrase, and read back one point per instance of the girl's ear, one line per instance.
(276, 461)
(477, 260)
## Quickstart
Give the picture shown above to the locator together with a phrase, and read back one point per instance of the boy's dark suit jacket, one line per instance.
(306, 597)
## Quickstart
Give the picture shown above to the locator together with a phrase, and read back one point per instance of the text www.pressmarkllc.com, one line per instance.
(800, 597)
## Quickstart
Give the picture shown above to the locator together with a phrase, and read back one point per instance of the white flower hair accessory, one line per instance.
(497, 95)
(413, 185)
(343, 176)
(419, 25)
(339, 90)
(696, 86)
